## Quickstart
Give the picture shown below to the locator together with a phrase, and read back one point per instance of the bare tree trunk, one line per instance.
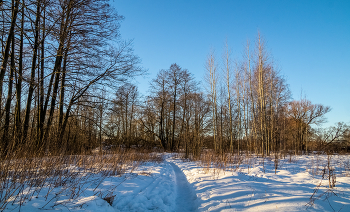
(6, 133)
(10, 37)
(41, 112)
(212, 74)
(253, 102)
(238, 96)
(31, 84)
(57, 68)
(18, 130)
(245, 110)
(228, 68)
(173, 130)
(183, 122)
(263, 125)
(63, 81)
(100, 124)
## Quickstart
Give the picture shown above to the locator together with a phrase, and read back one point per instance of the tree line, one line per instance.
(55, 57)
(65, 89)
(242, 106)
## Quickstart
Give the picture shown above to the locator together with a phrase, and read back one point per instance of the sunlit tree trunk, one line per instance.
(211, 68)
(228, 78)
(239, 118)
(58, 62)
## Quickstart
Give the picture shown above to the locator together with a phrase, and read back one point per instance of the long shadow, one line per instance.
(257, 193)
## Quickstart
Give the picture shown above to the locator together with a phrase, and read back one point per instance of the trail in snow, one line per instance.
(186, 199)
(175, 186)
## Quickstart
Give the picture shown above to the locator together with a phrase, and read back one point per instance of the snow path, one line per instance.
(186, 198)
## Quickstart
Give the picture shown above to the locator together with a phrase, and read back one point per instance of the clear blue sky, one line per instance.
(309, 40)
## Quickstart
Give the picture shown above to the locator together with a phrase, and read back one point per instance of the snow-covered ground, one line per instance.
(151, 187)
(175, 185)
(260, 189)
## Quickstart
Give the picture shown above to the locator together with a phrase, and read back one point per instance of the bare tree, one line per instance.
(302, 114)
(212, 80)
(228, 67)
(84, 52)
(10, 37)
(174, 80)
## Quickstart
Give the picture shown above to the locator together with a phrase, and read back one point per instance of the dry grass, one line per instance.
(24, 178)
(334, 165)
(212, 161)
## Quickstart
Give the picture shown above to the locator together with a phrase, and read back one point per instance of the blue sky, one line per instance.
(308, 40)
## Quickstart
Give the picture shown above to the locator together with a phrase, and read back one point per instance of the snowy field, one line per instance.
(176, 185)
(260, 189)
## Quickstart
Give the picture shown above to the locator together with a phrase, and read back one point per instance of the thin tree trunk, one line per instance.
(263, 125)
(253, 101)
(63, 81)
(31, 84)
(8, 46)
(6, 133)
(18, 130)
(57, 67)
(173, 131)
(239, 111)
(227, 64)
(211, 68)
(42, 110)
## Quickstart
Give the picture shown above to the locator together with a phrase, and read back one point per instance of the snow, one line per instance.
(185, 196)
(177, 185)
(260, 189)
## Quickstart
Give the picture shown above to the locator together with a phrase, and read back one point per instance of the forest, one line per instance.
(66, 88)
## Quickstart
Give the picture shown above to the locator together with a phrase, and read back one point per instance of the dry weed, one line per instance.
(24, 178)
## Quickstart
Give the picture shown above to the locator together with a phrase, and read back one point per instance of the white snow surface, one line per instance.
(260, 189)
(177, 185)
